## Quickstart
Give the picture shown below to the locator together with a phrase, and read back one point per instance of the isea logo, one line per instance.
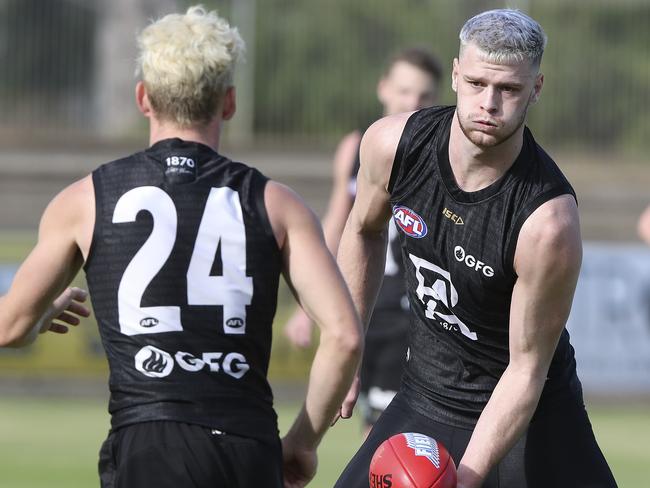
(456, 219)
(410, 222)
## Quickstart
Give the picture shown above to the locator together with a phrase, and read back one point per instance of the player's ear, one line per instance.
(454, 75)
(142, 100)
(229, 104)
(537, 89)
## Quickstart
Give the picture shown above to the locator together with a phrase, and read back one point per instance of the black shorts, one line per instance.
(559, 450)
(381, 371)
(167, 454)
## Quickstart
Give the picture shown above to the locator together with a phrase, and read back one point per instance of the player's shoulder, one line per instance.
(76, 193)
(286, 209)
(379, 147)
(390, 126)
(71, 204)
(284, 200)
(551, 234)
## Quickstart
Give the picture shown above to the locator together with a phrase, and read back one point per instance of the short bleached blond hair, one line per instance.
(187, 62)
(505, 36)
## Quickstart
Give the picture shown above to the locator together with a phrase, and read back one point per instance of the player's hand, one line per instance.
(298, 329)
(299, 464)
(345, 412)
(67, 308)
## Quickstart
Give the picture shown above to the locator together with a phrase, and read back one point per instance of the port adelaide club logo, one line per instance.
(409, 222)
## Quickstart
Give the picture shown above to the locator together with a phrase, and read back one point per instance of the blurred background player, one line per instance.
(183, 250)
(411, 81)
(490, 232)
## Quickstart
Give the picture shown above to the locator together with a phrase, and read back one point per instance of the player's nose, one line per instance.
(490, 99)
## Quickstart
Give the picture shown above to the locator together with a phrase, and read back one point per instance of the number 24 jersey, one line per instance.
(183, 273)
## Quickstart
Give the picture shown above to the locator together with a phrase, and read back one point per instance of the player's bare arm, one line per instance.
(362, 251)
(312, 274)
(644, 225)
(547, 263)
(30, 306)
(299, 326)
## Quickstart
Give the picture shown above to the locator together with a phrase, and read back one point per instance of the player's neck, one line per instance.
(208, 134)
(477, 167)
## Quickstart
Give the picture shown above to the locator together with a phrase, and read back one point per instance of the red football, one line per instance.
(411, 460)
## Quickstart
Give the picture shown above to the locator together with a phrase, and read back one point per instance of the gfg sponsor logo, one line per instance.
(410, 222)
(156, 363)
(470, 261)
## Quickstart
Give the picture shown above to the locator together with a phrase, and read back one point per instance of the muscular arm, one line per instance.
(547, 262)
(362, 251)
(47, 271)
(311, 272)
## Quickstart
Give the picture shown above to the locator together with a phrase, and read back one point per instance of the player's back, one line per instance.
(183, 271)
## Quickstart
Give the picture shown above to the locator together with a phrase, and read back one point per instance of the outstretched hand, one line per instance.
(67, 308)
(299, 465)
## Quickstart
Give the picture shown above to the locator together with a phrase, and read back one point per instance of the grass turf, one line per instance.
(53, 443)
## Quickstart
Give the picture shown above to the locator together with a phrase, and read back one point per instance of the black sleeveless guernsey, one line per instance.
(458, 250)
(183, 273)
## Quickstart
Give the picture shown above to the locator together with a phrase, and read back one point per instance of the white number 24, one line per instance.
(222, 223)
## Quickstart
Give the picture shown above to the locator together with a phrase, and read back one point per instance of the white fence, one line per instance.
(609, 322)
(610, 319)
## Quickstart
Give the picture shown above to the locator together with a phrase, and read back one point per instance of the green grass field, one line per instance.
(53, 443)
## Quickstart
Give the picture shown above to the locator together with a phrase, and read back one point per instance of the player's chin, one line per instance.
(484, 139)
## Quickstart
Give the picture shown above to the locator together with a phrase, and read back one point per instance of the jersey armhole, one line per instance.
(527, 211)
(258, 187)
(404, 140)
(99, 200)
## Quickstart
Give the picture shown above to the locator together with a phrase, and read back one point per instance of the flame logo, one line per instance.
(154, 362)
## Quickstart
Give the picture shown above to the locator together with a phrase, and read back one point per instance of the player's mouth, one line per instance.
(485, 123)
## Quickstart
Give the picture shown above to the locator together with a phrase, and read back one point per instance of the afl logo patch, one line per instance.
(149, 322)
(410, 222)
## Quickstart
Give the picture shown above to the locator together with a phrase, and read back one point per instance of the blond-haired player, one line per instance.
(183, 249)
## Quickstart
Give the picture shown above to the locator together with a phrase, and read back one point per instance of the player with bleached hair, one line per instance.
(183, 249)
(490, 236)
